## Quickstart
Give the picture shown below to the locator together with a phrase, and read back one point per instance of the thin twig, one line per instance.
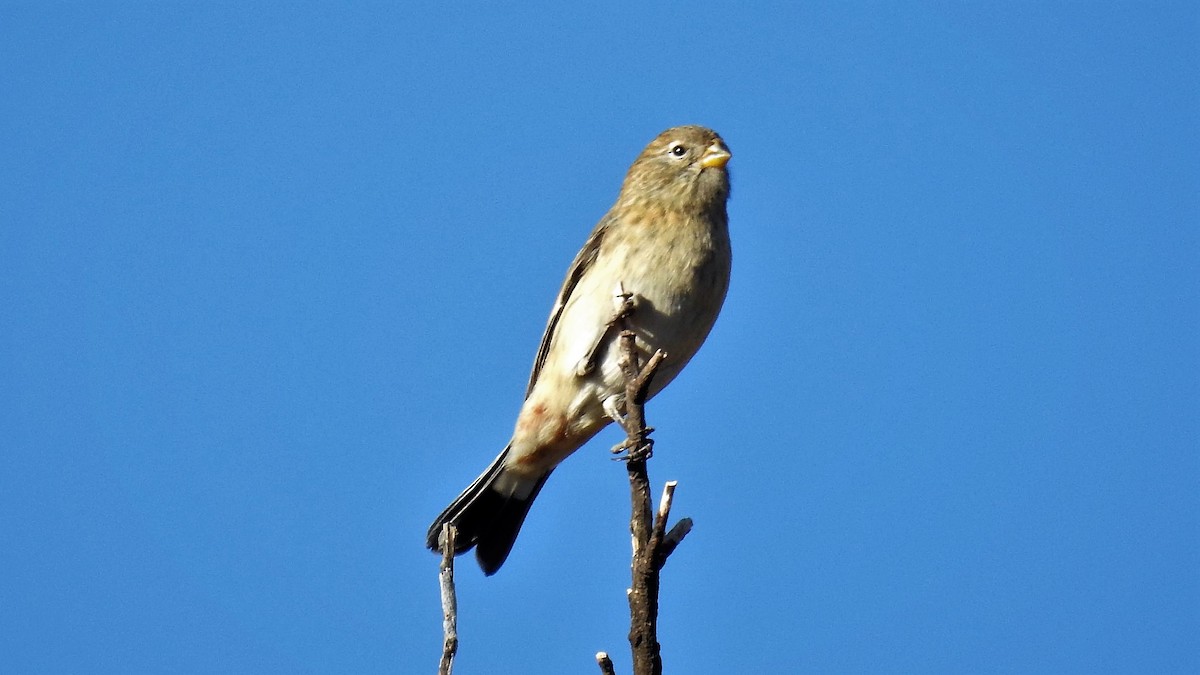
(672, 540)
(638, 445)
(449, 602)
(605, 663)
(660, 518)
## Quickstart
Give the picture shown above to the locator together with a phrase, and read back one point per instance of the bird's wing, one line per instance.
(582, 263)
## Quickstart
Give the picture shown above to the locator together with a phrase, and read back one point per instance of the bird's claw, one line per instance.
(642, 452)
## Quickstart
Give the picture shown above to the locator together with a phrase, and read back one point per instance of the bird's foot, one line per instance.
(640, 452)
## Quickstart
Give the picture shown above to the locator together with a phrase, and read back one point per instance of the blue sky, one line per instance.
(272, 278)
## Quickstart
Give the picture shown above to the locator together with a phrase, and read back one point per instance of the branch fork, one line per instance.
(652, 542)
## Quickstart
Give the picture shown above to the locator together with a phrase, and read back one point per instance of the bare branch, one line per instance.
(652, 543)
(660, 519)
(638, 445)
(449, 602)
(606, 664)
(643, 593)
(673, 539)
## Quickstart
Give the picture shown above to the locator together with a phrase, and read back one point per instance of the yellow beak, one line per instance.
(717, 155)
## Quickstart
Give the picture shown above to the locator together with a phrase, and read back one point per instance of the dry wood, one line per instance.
(652, 543)
(449, 602)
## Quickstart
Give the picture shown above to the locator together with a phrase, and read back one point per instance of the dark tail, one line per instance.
(488, 515)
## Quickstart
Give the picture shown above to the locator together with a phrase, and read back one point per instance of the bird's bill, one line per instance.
(717, 155)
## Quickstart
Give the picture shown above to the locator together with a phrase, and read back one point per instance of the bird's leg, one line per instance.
(614, 407)
(623, 306)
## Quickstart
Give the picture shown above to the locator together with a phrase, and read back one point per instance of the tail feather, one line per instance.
(488, 515)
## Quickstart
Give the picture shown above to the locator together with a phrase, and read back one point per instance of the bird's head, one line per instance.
(683, 169)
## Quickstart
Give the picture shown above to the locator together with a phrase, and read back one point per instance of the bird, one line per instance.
(665, 245)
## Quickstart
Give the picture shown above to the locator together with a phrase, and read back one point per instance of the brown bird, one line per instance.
(666, 242)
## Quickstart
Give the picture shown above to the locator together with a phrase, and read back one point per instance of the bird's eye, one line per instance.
(678, 150)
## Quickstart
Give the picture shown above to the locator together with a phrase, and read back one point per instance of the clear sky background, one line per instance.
(272, 279)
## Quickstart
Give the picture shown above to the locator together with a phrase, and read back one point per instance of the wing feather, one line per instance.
(579, 267)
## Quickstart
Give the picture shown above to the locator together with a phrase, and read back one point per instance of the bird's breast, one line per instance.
(678, 272)
(677, 266)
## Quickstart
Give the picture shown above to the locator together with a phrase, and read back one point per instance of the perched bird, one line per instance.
(665, 242)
